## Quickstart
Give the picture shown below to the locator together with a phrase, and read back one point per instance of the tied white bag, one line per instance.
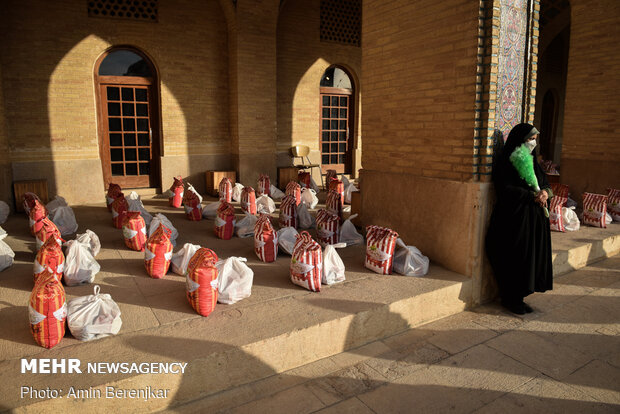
(234, 280)
(181, 259)
(4, 211)
(348, 189)
(92, 240)
(93, 316)
(264, 204)
(80, 265)
(135, 204)
(409, 261)
(333, 267)
(304, 218)
(161, 219)
(286, 239)
(210, 210)
(64, 219)
(348, 233)
(6, 253)
(275, 192)
(308, 196)
(193, 190)
(570, 219)
(245, 226)
(236, 192)
(58, 201)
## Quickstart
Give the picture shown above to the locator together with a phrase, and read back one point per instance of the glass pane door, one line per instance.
(334, 132)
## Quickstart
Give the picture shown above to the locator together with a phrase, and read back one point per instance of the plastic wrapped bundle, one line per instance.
(264, 185)
(175, 198)
(49, 259)
(225, 221)
(380, 244)
(265, 239)
(93, 316)
(113, 191)
(202, 281)
(47, 311)
(288, 212)
(158, 252)
(327, 227)
(294, 189)
(119, 210)
(134, 231)
(307, 263)
(225, 190)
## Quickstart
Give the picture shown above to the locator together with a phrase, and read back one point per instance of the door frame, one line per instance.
(350, 153)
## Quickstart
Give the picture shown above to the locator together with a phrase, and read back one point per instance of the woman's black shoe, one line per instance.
(518, 308)
(528, 308)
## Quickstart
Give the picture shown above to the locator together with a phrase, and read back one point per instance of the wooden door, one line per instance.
(336, 140)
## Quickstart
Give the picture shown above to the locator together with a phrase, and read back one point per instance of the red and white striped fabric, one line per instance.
(307, 263)
(329, 174)
(225, 221)
(556, 222)
(201, 281)
(113, 191)
(560, 190)
(134, 231)
(37, 212)
(225, 190)
(158, 252)
(304, 179)
(337, 186)
(47, 231)
(264, 185)
(177, 190)
(47, 311)
(248, 200)
(191, 202)
(119, 210)
(294, 189)
(332, 203)
(49, 259)
(288, 212)
(595, 210)
(327, 227)
(28, 201)
(613, 203)
(380, 243)
(265, 239)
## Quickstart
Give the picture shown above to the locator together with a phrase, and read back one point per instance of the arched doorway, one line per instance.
(337, 120)
(127, 100)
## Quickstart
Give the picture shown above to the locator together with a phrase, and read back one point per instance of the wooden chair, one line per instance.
(301, 152)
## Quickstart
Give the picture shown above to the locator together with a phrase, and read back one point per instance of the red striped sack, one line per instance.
(265, 239)
(47, 311)
(595, 210)
(613, 203)
(37, 212)
(47, 231)
(294, 189)
(248, 200)
(113, 191)
(225, 190)
(556, 222)
(559, 190)
(330, 174)
(327, 227)
(49, 259)
(28, 200)
(177, 193)
(307, 263)
(191, 201)
(201, 281)
(288, 212)
(158, 252)
(380, 243)
(304, 179)
(134, 231)
(332, 203)
(119, 210)
(264, 185)
(338, 186)
(225, 221)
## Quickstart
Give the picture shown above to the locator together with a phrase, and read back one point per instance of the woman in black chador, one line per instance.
(518, 242)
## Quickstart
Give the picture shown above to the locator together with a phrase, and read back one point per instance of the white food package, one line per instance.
(181, 259)
(348, 233)
(286, 239)
(5, 210)
(80, 265)
(93, 316)
(275, 192)
(245, 226)
(345, 180)
(351, 188)
(58, 201)
(264, 204)
(608, 218)
(90, 238)
(135, 204)
(570, 219)
(333, 267)
(309, 197)
(236, 192)
(210, 210)
(6, 253)
(305, 220)
(161, 219)
(64, 219)
(234, 280)
(409, 261)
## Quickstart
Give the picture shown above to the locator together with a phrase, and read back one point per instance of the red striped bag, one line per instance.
(49, 259)
(264, 185)
(307, 263)
(595, 210)
(556, 222)
(177, 193)
(338, 186)
(28, 200)
(327, 227)
(47, 231)
(158, 252)
(113, 191)
(329, 174)
(47, 311)
(332, 203)
(191, 201)
(265, 239)
(201, 281)
(225, 221)
(119, 210)
(559, 190)
(248, 200)
(134, 231)
(294, 189)
(613, 203)
(37, 212)
(288, 212)
(304, 179)
(380, 243)
(225, 190)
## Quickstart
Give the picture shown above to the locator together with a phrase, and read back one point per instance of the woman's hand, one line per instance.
(541, 198)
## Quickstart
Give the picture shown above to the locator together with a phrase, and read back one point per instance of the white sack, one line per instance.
(608, 218)
(348, 233)
(234, 280)
(275, 193)
(286, 239)
(345, 180)
(305, 220)
(64, 219)
(348, 189)
(93, 316)
(91, 239)
(192, 189)
(333, 267)
(161, 219)
(168, 193)
(409, 261)
(181, 259)
(236, 192)
(210, 210)
(6, 253)
(135, 204)
(5, 210)
(308, 196)
(80, 265)
(264, 204)
(245, 226)
(570, 219)
(58, 201)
